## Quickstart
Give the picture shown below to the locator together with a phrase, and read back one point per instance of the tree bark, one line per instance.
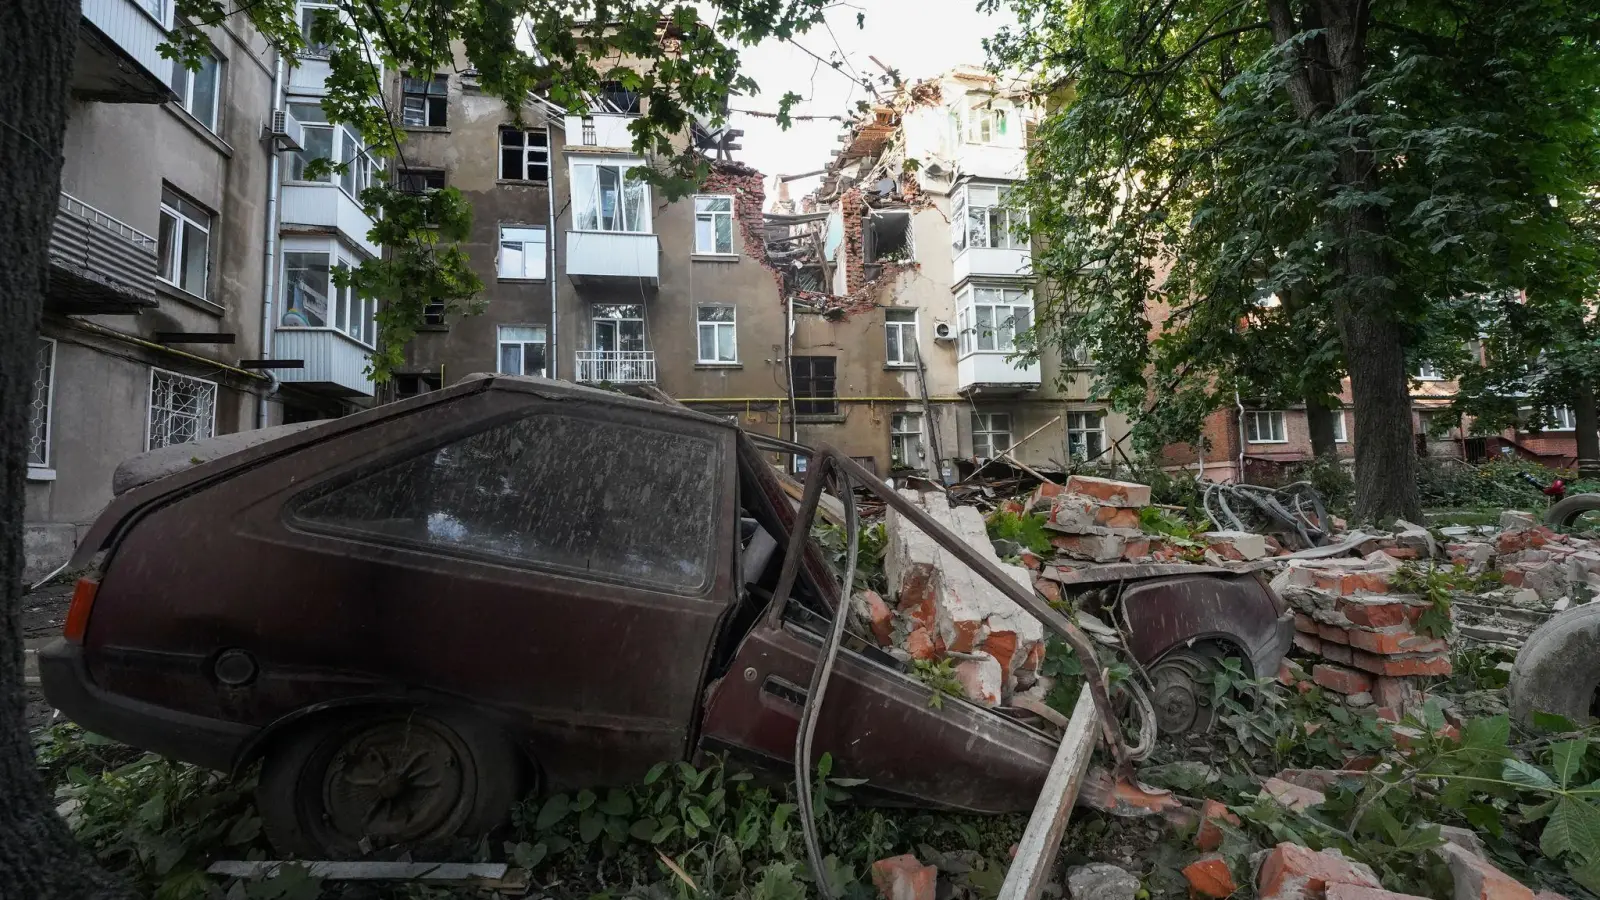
(1332, 68)
(39, 858)
(1319, 419)
(1587, 429)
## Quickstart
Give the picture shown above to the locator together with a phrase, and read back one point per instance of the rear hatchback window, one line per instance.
(598, 499)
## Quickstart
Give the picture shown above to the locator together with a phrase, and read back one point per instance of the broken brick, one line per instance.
(1047, 589)
(1113, 493)
(919, 643)
(1396, 640)
(1292, 872)
(1341, 680)
(1135, 548)
(1332, 633)
(1477, 879)
(1292, 796)
(1002, 645)
(1304, 623)
(981, 679)
(1310, 643)
(879, 616)
(1379, 612)
(1338, 653)
(1400, 666)
(904, 878)
(1210, 878)
(1357, 892)
(1096, 547)
(1208, 836)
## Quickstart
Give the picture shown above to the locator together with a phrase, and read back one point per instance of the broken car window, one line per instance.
(604, 500)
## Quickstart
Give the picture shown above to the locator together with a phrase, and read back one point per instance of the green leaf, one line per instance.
(655, 773)
(617, 803)
(1520, 773)
(1573, 828)
(584, 800)
(1490, 734)
(1553, 723)
(688, 774)
(847, 782)
(663, 833)
(554, 810)
(244, 830)
(1587, 874)
(589, 825)
(698, 817)
(1567, 757)
(715, 798)
(528, 856)
(644, 828)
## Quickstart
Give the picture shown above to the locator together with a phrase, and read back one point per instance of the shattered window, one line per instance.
(424, 102)
(605, 500)
(905, 440)
(813, 378)
(991, 434)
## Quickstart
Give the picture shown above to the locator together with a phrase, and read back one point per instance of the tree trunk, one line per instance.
(1587, 430)
(1386, 458)
(38, 856)
(1319, 419)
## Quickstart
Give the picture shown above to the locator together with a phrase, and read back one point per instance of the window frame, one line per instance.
(1341, 432)
(968, 318)
(360, 168)
(717, 326)
(809, 397)
(975, 213)
(303, 8)
(501, 343)
(1562, 418)
(1253, 425)
(354, 305)
(429, 97)
(1083, 431)
(899, 328)
(150, 408)
(526, 149)
(182, 73)
(44, 362)
(402, 175)
(582, 203)
(988, 431)
(172, 205)
(1427, 371)
(897, 440)
(544, 253)
(712, 215)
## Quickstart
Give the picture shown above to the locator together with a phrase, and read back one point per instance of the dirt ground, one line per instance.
(43, 613)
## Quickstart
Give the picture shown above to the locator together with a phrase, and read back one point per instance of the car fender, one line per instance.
(256, 746)
(1164, 614)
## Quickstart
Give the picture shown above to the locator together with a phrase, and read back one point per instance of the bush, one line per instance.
(1448, 483)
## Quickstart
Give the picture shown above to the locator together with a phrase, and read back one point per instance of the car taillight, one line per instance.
(78, 612)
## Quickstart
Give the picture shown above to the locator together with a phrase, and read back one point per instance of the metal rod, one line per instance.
(1030, 435)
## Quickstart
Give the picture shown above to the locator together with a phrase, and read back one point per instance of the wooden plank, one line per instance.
(1036, 852)
(829, 507)
(482, 874)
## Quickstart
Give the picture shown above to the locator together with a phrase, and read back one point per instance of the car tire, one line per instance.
(1563, 513)
(380, 781)
(1556, 670)
(1180, 692)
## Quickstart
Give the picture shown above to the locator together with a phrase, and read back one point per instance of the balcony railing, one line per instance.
(102, 264)
(617, 366)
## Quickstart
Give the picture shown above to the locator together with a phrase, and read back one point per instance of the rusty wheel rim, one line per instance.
(1179, 693)
(396, 782)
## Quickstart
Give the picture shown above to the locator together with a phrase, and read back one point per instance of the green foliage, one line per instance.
(1453, 484)
(683, 61)
(1175, 528)
(871, 543)
(1027, 531)
(1331, 480)
(940, 675)
(1437, 585)
(158, 823)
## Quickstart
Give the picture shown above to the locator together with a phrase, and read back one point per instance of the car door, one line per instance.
(557, 560)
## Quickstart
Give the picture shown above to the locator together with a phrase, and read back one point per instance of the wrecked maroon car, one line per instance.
(413, 615)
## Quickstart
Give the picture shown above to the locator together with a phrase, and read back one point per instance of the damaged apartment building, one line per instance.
(909, 272)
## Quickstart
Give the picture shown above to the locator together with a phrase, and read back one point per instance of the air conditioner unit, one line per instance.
(943, 332)
(285, 131)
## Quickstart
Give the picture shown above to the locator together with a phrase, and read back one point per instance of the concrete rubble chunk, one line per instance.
(1356, 892)
(1111, 493)
(1465, 838)
(904, 878)
(1101, 881)
(981, 678)
(1292, 796)
(960, 611)
(1245, 545)
(1516, 520)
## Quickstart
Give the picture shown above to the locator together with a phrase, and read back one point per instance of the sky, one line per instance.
(918, 37)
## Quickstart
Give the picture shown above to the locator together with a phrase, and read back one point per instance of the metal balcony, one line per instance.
(617, 366)
(99, 265)
(613, 259)
(335, 363)
(117, 60)
(991, 373)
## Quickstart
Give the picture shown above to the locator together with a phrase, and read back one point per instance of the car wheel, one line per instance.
(362, 782)
(1180, 690)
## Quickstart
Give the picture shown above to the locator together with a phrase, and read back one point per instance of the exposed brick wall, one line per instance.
(749, 192)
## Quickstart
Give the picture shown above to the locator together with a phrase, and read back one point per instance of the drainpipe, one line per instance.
(269, 284)
(554, 359)
(1239, 474)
